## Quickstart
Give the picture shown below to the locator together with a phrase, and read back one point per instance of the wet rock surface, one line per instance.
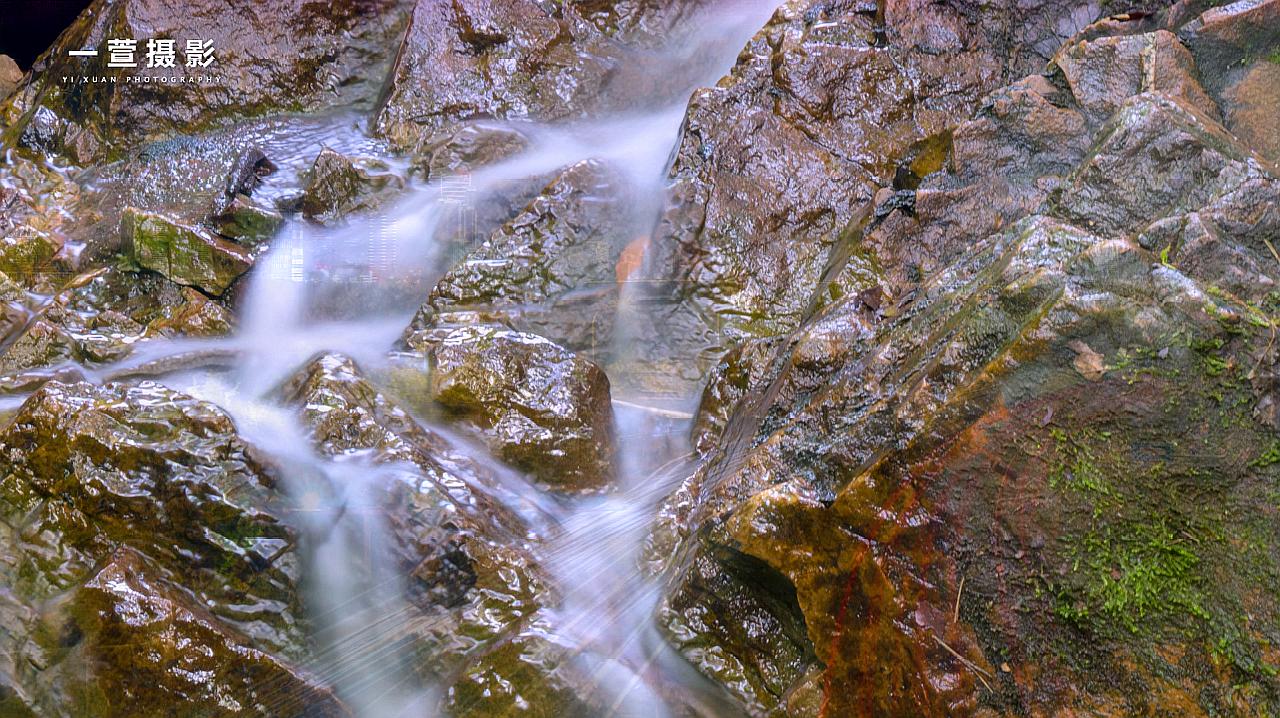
(183, 254)
(100, 317)
(518, 59)
(336, 55)
(475, 586)
(542, 408)
(948, 469)
(147, 507)
(778, 162)
(141, 629)
(191, 177)
(551, 270)
(1235, 46)
(340, 185)
(977, 301)
(246, 221)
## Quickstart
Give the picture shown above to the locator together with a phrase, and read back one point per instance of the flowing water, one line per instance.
(300, 303)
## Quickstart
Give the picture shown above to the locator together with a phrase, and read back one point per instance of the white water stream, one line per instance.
(589, 545)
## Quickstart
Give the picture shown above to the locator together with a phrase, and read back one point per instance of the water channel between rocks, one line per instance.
(298, 306)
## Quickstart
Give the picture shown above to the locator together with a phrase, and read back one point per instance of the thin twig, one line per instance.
(977, 670)
(1272, 247)
(955, 618)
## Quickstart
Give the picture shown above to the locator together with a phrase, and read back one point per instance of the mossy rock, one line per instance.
(147, 525)
(185, 254)
(246, 221)
(134, 634)
(1044, 480)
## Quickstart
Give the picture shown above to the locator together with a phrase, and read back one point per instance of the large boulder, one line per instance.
(542, 408)
(987, 475)
(295, 56)
(826, 533)
(517, 59)
(140, 521)
(778, 164)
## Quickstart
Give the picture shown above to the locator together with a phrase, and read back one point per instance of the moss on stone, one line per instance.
(186, 255)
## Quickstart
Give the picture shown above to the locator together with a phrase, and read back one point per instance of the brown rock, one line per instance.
(542, 408)
(515, 59)
(1249, 106)
(471, 584)
(10, 76)
(1089, 363)
(196, 316)
(297, 55)
(868, 447)
(339, 185)
(778, 164)
(1224, 35)
(1102, 73)
(147, 643)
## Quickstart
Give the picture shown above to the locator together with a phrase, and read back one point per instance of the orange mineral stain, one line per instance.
(632, 258)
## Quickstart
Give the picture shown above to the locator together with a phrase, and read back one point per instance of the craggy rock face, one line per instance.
(516, 59)
(980, 297)
(139, 486)
(336, 54)
(35, 206)
(1235, 47)
(826, 105)
(1032, 458)
(542, 408)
